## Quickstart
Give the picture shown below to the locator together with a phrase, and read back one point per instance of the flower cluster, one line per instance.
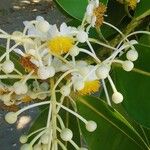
(50, 58)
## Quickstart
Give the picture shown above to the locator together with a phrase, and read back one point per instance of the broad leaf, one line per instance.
(142, 7)
(113, 131)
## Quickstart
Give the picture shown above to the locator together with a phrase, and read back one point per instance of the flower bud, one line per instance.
(132, 55)
(91, 126)
(23, 139)
(74, 51)
(66, 134)
(11, 117)
(127, 65)
(8, 66)
(20, 88)
(117, 97)
(82, 36)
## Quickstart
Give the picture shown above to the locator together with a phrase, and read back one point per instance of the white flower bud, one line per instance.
(33, 95)
(127, 65)
(42, 96)
(65, 90)
(20, 88)
(82, 36)
(91, 126)
(45, 138)
(8, 66)
(74, 51)
(26, 147)
(66, 134)
(43, 26)
(132, 55)
(23, 139)
(79, 85)
(117, 97)
(102, 71)
(37, 147)
(44, 86)
(11, 117)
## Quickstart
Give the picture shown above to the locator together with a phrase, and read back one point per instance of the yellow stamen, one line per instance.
(90, 87)
(132, 4)
(27, 64)
(60, 45)
(99, 13)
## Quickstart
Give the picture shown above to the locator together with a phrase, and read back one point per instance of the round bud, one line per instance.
(65, 90)
(37, 147)
(43, 73)
(23, 139)
(82, 148)
(43, 26)
(44, 86)
(127, 65)
(20, 88)
(8, 66)
(32, 95)
(11, 117)
(82, 36)
(117, 97)
(91, 126)
(42, 96)
(26, 147)
(66, 134)
(74, 51)
(51, 70)
(132, 55)
(102, 71)
(45, 138)
(79, 85)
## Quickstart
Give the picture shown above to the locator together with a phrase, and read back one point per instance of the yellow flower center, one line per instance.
(60, 45)
(132, 4)
(90, 87)
(26, 99)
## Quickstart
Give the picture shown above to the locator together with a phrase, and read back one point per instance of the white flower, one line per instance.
(39, 29)
(90, 17)
(63, 31)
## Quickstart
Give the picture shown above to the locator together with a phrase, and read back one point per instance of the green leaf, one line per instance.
(135, 85)
(76, 8)
(142, 7)
(113, 132)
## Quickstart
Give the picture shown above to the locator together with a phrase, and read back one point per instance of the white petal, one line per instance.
(40, 18)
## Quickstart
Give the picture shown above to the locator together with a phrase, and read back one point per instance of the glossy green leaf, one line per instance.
(113, 132)
(76, 8)
(135, 85)
(142, 7)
